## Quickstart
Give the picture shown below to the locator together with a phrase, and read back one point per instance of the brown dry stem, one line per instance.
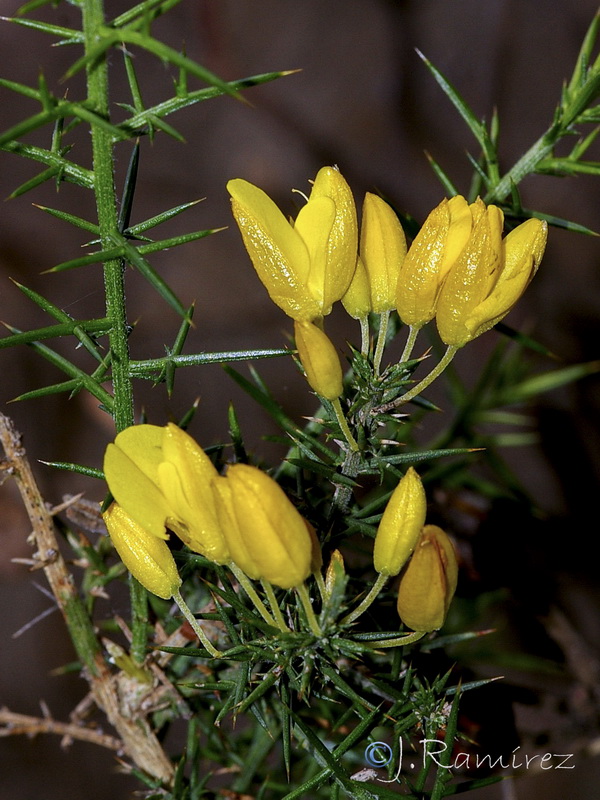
(137, 740)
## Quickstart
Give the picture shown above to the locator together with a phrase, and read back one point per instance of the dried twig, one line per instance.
(12, 724)
(139, 741)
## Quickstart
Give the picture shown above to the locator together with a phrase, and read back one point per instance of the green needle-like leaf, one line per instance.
(90, 472)
(152, 222)
(477, 128)
(53, 331)
(137, 123)
(149, 367)
(142, 11)
(68, 34)
(87, 381)
(545, 382)
(68, 170)
(90, 227)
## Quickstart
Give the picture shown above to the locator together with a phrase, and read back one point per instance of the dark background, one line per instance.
(365, 101)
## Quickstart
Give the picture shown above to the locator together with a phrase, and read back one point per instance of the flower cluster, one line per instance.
(458, 269)
(422, 555)
(161, 478)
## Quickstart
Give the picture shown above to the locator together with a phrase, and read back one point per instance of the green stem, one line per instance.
(139, 620)
(364, 335)
(419, 387)
(342, 422)
(244, 581)
(183, 607)
(106, 206)
(366, 602)
(384, 319)
(275, 606)
(525, 165)
(410, 343)
(308, 609)
(114, 288)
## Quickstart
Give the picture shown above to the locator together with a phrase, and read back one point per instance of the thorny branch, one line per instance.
(138, 741)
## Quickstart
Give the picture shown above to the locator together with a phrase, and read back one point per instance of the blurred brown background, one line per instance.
(364, 101)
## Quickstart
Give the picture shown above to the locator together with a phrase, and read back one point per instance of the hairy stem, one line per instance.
(114, 285)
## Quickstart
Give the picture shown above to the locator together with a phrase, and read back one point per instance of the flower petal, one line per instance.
(382, 250)
(127, 473)
(185, 477)
(274, 532)
(276, 250)
(147, 558)
(342, 245)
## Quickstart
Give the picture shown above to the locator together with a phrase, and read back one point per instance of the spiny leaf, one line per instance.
(149, 367)
(476, 127)
(90, 472)
(68, 170)
(545, 382)
(134, 255)
(90, 227)
(152, 8)
(449, 187)
(168, 54)
(69, 34)
(136, 123)
(33, 4)
(142, 227)
(87, 381)
(53, 331)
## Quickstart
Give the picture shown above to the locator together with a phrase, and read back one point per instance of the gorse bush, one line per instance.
(295, 598)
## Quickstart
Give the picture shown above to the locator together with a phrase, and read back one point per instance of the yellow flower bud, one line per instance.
(428, 583)
(162, 477)
(357, 300)
(308, 265)
(382, 250)
(269, 539)
(489, 277)
(320, 360)
(400, 525)
(145, 555)
(434, 250)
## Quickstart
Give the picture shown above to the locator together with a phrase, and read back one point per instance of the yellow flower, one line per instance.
(162, 478)
(400, 525)
(319, 359)
(428, 583)
(146, 556)
(382, 250)
(489, 277)
(308, 265)
(267, 537)
(436, 247)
